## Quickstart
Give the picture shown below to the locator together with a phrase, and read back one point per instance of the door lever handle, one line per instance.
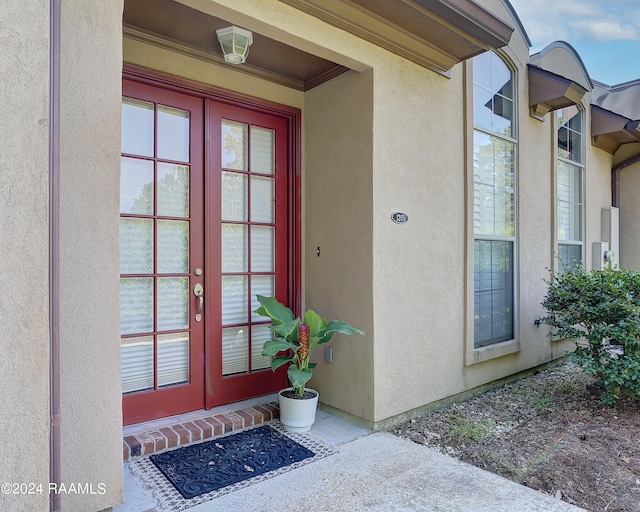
(198, 291)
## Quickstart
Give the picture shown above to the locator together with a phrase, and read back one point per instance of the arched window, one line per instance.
(494, 197)
(570, 185)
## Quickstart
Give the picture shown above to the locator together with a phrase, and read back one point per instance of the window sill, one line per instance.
(480, 355)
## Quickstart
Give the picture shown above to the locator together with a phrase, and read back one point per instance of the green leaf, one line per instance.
(337, 326)
(272, 347)
(299, 377)
(272, 308)
(287, 330)
(315, 322)
(279, 361)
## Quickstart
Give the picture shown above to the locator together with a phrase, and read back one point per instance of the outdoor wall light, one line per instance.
(235, 42)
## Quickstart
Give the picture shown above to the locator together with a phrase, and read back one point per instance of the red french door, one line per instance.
(161, 230)
(203, 228)
(247, 171)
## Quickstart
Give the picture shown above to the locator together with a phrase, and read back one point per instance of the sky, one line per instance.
(605, 33)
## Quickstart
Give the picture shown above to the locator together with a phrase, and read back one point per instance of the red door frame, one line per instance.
(292, 117)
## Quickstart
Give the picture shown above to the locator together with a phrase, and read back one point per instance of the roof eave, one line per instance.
(436, 34)
(609, 130)
(549, 91)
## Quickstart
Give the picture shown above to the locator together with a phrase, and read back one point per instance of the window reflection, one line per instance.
(493, 94)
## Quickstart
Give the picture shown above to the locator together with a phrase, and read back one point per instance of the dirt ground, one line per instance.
(549, 432)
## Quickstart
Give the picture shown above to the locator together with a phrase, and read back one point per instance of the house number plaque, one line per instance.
(399, 217)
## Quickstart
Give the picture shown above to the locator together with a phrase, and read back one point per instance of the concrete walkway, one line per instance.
(370, 472)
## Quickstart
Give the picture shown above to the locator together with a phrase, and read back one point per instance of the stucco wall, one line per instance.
(419, 265)
(91, 434)
(24, 301)
(423, 291)
(630, 217)
(338, 213)
(597, 195)
(563, 58)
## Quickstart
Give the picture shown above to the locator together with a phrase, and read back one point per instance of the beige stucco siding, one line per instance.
(24, 297)
(597, 195)
(91, 435)
(338, 213)
(418, 266)
(629, 214)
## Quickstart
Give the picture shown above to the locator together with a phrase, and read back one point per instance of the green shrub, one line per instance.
(600, 311)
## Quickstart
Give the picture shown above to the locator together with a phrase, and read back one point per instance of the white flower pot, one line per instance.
(298, 414)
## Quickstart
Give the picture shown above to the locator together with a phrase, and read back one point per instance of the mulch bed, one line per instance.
(549, 432)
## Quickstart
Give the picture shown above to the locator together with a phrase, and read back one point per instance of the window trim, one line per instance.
(473, 354)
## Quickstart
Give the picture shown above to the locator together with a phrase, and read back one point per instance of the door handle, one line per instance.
(198, 291)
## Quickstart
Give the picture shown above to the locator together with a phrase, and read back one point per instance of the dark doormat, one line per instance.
(194, 474)
(204, 467)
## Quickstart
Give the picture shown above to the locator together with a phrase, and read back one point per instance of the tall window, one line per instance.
(494, 193)
(570, 189)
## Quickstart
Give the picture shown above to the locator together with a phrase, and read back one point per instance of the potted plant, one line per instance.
(297, 338)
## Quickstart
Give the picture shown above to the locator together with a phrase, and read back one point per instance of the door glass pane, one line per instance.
(259, 334)
(136, 305)
(262, 150)
(173, 134)
(260, 285)
(234, 196)
(136, 246)
(173, 190)
(234, 145)
(262, 199)
(234, 247)
(173, 359)
(137, 363)
(173, 246)
(173, 303)
(262, 248)
(234, 299)
(136, 186)
(137, 127)
(235, 350)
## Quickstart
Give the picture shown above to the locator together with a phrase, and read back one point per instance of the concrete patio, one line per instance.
(371, 472)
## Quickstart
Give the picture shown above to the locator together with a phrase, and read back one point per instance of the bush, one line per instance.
(600, 311)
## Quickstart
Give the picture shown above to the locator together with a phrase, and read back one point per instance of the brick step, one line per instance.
(183, 433)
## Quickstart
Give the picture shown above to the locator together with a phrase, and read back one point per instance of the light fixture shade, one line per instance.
(235, 42)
